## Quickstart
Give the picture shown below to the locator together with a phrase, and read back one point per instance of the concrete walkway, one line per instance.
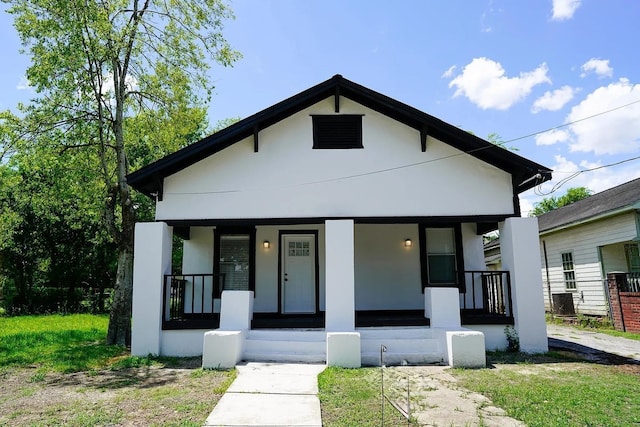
(271, 394)
(593, 344)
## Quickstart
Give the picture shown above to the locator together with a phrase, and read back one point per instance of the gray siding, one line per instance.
(583, 241)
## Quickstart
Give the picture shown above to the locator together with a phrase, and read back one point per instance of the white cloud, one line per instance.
(484, 83)
(553, 136)
(613, 132)
(553, 101)
(447, 74)
(596, 181)
(564, 9)
(23, 84)
(130, 81)
(599, 66)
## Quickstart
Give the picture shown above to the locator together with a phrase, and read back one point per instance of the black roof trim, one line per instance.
(147, 178)
(226, 222)
(613, 199)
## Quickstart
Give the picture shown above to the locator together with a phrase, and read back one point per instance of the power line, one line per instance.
(573, 122)
(538, 190)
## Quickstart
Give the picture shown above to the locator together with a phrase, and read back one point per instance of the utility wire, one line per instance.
(538, 190)
(573, 122)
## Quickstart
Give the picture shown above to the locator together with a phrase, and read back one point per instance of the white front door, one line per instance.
(298, 279)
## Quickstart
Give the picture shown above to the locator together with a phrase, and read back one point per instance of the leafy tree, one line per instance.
(52, 247)
(496, 139)
(105, 73)
(550, 203)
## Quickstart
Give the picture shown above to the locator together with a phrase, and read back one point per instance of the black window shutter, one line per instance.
(337, 131)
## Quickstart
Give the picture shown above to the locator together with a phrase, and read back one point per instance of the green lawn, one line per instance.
(351, 397)
(542, 391)
(57, 370)
(59, 343)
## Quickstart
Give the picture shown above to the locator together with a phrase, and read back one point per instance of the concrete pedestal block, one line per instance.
(222, 349)
(442, 307)
(466, 349)
(343, 349)
(236, 310)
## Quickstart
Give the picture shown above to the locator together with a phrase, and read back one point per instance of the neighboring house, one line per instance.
(492, 256)
(582, 242)
(330, 224)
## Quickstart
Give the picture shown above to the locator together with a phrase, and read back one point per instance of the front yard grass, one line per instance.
(57, 370)
(541, 392)
(351, 397)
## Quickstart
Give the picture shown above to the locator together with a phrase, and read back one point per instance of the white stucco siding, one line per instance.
(473, 251)
(267, 280)
(387, 273)
(287, 178)
(583, 242)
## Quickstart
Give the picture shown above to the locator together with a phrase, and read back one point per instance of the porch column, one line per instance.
(339, 276)
(152, 260)
(520, 250)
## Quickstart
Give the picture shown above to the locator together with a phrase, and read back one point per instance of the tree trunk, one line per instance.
(120, 316)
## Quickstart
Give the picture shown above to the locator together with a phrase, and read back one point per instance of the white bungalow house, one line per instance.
(582, 242)
(329, 225)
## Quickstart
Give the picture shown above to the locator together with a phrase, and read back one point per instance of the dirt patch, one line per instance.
(437, 400)
(149, 396)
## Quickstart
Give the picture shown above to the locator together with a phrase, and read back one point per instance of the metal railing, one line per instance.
(488, 295)
(189, 300)
(632, 284)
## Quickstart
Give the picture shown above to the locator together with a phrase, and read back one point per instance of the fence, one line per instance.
(624, 294)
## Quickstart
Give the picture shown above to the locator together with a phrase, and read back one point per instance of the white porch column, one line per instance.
(520, 250)
(340, 276)
(152, 260)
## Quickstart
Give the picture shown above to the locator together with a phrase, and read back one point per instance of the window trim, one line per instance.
(328, 119)
(424, 264)
(565, 272)
(220, 231)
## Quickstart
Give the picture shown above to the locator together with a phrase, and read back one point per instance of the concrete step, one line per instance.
(402, 358)
(267, 345)
(396, 333)
(411, 345)
(287, 334)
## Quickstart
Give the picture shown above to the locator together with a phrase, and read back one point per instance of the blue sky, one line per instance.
(487, 66)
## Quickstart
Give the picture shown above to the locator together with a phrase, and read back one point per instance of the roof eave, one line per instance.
(148, 179)
(599, 217)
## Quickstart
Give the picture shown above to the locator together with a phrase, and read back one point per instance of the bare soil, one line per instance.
(151, 396)
(436, 398)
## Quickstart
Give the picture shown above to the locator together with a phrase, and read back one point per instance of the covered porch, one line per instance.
(363, 278)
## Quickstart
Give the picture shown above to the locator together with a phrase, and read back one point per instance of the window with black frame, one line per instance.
(441, 256)
(234, 258)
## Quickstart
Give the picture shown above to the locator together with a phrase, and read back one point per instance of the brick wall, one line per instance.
(625, 306)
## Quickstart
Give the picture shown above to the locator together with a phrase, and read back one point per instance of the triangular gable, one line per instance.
(526, 174)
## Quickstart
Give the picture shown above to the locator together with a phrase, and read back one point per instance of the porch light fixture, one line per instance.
(408, 243)
(266, 244)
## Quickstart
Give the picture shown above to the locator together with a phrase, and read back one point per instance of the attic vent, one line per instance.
(337, 131)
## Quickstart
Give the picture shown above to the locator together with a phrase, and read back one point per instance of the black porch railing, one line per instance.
(487, 298)
(632, 284)
(189, 301)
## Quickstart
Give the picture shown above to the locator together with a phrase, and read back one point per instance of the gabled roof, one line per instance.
(526, 174)
(617, 199)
